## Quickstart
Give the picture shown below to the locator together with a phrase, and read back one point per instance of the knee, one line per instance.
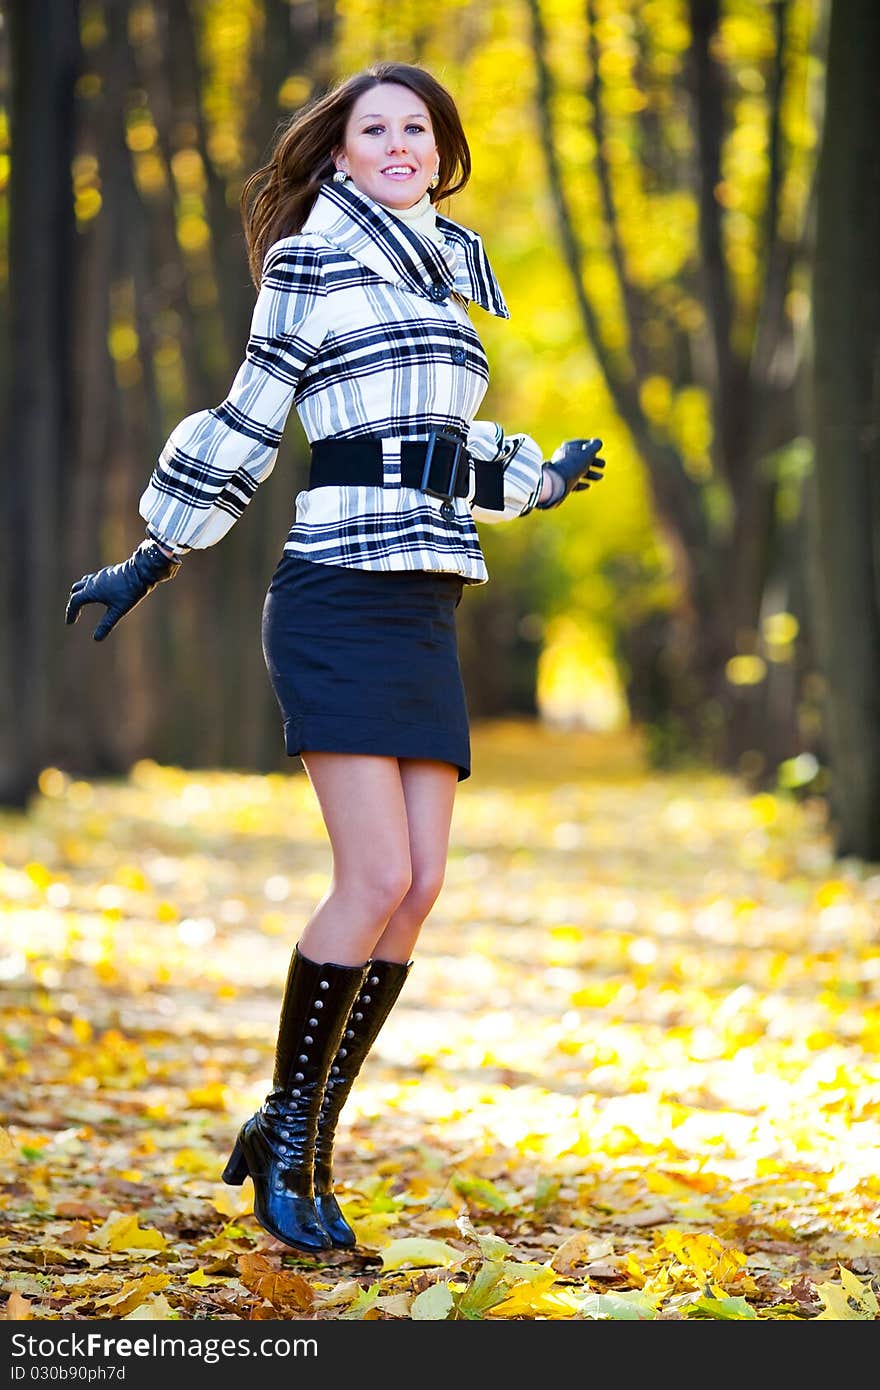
(424, 890)
(383, 888)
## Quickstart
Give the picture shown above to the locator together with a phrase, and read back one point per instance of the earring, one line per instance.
(435, 180)
(340, 176)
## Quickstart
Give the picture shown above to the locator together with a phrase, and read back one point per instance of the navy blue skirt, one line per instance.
(366, 661)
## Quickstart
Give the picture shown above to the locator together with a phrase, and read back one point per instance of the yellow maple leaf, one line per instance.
(850, 1301)
(531, 1295)
(283, 1288)
(121, 1231)
(132, 1294)
(704, 1255)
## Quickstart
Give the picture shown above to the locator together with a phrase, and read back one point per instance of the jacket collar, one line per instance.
(383, 243)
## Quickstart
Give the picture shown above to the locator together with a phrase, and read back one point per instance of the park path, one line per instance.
(635, 1070)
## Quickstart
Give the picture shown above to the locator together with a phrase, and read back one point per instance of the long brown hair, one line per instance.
(277, 198)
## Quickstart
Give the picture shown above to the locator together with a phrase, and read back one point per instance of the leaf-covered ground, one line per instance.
(635, 1071)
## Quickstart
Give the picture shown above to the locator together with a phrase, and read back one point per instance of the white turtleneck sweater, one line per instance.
(422, 217)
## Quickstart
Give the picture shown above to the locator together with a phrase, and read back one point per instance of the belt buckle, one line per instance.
(431, 458)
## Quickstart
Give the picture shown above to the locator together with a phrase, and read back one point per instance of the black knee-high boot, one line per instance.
(276, 1146)
(383, 982)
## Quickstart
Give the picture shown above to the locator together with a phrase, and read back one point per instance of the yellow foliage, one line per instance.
(121, 1231)
(705, 1256)
(531, 1296)
(232, 1201)
(196, 1162)
(131, 1295)
(659, 1076)
(418, 1252)
(210, 1097)
(154, 1309)
(851, 1300)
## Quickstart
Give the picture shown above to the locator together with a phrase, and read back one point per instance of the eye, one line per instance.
(368, 130)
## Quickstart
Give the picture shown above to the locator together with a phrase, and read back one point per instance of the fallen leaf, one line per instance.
(121, 1232)
(419, 1252)
(158, 1309)
(482, 1193)
(492, 1247)
(657, 1215)
(18, 1308)
(371, 1229)
(283, 1288)
(132, 1294)
(199, 1279)
(211, 1097)
(573, 1252)
(232, 1201)
(433, 1304)
(362, 1307)
(77, 1234)
(725, 1309)
(396, 1305)
(529, 1287)
(198, 1162)
(343, 1293)
(850, 1301)
(631, 1305)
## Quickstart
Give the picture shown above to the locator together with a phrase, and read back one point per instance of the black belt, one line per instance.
(437, 466)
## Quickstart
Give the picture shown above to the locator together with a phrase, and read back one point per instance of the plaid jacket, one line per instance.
(360, 322)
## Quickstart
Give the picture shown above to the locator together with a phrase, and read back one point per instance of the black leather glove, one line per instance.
(122, 586)
(572, 468)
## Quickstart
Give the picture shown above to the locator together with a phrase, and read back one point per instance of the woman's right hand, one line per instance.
(574, 466)
(121, 587)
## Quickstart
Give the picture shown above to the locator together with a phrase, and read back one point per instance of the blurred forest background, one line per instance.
(681, 199)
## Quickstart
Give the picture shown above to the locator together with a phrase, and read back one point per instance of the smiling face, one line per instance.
(389, 149)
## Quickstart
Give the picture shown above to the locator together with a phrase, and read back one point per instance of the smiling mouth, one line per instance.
(398, 171)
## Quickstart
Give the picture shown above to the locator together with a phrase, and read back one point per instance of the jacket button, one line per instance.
(438, 293)
(459, 355)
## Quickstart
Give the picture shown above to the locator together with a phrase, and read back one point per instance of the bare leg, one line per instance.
(364, 809)
(429, 793)
(426, 791)
(388, 820)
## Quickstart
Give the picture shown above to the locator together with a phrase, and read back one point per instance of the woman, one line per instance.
(361, 321)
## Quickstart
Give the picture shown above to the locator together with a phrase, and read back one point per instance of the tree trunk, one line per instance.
(845, 501)
(44, 51)
(109, 690)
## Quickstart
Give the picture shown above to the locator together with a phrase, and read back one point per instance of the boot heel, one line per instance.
(236, 1169)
